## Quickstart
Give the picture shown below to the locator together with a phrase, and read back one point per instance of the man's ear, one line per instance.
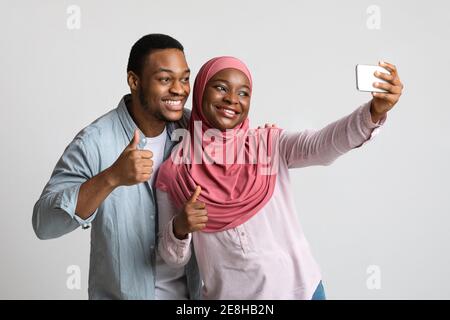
(133, 80)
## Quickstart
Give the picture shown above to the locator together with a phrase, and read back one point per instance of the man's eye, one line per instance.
(186, 79)
(164, 80)
(243, 93)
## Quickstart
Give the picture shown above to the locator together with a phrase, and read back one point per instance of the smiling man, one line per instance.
(104, 179)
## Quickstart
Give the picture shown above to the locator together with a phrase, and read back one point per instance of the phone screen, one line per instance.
(365, 77)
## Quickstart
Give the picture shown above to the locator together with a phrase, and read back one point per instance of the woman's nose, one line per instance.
(231, 98)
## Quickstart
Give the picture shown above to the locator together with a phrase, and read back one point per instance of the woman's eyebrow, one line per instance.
(220, 80)
(226, 81)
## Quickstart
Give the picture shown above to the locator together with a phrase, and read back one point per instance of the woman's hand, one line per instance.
(382, 102)
(192, 218)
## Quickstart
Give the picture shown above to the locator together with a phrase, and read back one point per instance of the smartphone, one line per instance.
(365, 77)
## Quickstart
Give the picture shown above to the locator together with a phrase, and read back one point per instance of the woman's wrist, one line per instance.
(177, 230)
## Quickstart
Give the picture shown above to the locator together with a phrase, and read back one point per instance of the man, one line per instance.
(104, 179)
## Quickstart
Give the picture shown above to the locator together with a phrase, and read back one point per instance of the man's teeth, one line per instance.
(173, 102)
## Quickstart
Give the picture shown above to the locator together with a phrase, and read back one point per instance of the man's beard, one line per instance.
(146, 106)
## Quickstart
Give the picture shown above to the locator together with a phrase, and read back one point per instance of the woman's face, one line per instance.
(226, 100)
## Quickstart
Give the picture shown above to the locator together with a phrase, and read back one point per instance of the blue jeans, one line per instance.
(319, 294)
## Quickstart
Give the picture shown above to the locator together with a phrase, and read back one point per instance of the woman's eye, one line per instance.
(220, 88)
(186, 80)
(243, 94)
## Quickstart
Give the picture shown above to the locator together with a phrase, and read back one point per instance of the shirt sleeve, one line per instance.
(54, 213)
(175, 252)
(323, 147)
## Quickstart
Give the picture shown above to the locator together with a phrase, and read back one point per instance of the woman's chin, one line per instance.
(229, 126)
(224, 123)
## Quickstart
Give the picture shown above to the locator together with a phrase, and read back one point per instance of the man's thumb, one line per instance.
(135, 141)
(196, 193)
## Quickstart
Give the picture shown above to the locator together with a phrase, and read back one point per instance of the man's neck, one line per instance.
(149, 125)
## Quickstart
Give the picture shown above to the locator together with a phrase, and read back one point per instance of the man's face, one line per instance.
(226, 100)
(164, 84)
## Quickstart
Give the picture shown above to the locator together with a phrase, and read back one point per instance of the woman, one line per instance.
(240, 217)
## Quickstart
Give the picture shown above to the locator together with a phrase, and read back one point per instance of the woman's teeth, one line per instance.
(229, 112)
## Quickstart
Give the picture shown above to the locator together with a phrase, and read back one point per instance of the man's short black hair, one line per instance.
(146, 45)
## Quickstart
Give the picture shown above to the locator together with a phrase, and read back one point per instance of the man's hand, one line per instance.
(385, 101)
(133, 166)
(268, 125)
(192, 218)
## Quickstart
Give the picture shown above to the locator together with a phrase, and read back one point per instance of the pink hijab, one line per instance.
(233, 193)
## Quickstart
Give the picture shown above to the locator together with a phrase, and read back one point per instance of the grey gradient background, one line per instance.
(385, 204)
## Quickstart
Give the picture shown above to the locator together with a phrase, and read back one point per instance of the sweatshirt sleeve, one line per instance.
(173, 251)
(324, 146)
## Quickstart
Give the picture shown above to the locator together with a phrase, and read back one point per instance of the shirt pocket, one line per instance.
(235, 239)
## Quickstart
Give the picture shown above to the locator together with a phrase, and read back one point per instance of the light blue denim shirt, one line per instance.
(124, 227)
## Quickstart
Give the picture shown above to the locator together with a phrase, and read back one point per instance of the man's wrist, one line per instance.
(110, 178)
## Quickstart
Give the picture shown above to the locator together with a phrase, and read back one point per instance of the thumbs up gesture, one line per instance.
(133, 166)
(192, 218)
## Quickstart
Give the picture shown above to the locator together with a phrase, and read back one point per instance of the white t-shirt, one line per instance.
(170, 283)
(156, 145)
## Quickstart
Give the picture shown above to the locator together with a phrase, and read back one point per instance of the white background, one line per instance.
(385, 204)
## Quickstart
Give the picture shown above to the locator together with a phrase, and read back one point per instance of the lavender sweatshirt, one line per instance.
(267, 257)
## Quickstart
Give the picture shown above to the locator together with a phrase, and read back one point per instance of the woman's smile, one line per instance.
(227, 112)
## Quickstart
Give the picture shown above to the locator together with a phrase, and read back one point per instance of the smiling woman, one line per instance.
(240, 218)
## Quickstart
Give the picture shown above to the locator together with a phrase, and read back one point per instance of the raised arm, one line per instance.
(76, 189)
(322, 147)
